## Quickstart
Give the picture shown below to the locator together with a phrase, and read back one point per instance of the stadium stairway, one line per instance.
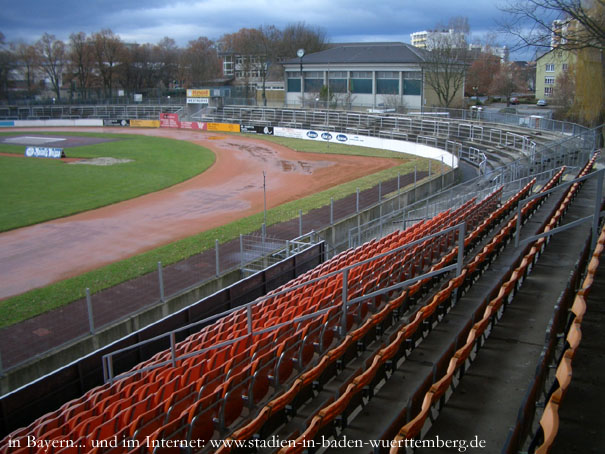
(488, 399)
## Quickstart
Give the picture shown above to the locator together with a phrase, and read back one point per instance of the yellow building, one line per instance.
(548, 67)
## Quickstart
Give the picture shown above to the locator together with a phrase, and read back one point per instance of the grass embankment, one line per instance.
(37, 301)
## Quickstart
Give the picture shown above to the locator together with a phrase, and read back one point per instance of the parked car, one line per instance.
(514, 100)
(542, 102)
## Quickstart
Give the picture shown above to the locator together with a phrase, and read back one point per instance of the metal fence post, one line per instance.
(357, 202)
(241, 250)
(380, 191)
(91, 323)
(173, 348)
(110, 368)
(249, 317)
(429, 168)
(216, 255)
(595, 220)
(518, 228)
(287, 248)
(461, 235)
(345, 297)
(299, 222)
(380, 219)
(161, 281)
(331, 210)
(398, 190)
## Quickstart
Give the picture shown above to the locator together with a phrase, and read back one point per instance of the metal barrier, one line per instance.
(345, 303)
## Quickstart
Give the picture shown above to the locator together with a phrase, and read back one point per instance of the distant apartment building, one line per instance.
(559, 28)
(424, 38)
(501, 52)
(548, 68)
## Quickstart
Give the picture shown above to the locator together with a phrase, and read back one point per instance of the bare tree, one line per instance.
(81, 62)
(573, 24)
(26, 55)
(300, 35)
(7, 60)
(108, 50)
(137, 72)
(576, 26)
(507, 81)
(564, 94)
(167, 55)
(200, 62)
(480, 74)
(445, 65)
(51, 59)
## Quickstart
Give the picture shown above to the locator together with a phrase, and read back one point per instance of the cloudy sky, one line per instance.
(148, 21)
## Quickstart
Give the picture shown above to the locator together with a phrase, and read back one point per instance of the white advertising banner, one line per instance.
(197, 100)
(42, 123)
(398, 146)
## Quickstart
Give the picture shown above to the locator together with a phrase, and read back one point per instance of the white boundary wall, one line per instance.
(398, 146)
(44, 123)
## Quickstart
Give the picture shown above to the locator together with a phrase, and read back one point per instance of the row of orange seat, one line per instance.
(272, 414)
(402, 343)
(215, 388)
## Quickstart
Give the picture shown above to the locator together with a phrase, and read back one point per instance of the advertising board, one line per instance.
(44, 152)
(116, 122)
(195, 93)
(198, 100)
(145, 123)
(169, 120)
(399, 146)
(223, 127)
(267, 130)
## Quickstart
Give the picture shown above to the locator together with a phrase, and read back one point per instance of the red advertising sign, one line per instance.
(169, 120)
(199, 125)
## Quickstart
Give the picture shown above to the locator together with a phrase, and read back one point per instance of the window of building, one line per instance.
(549, 80)
(293, 85)
(550, 67)
(338, 85)
(387, 82)
(412, 87)
(565, 67)
(547, 92)
(361, 82)
(338, 81)
(313, 81)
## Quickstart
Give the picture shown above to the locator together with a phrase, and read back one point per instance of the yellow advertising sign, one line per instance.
(144, 123)
(192, 93)
(223, 127)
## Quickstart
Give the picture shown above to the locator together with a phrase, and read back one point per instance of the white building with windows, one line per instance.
(379, 75)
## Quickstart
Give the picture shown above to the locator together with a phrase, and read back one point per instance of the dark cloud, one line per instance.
(151, 20)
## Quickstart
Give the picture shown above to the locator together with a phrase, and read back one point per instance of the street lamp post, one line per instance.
(301, 53)
(265, 69)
